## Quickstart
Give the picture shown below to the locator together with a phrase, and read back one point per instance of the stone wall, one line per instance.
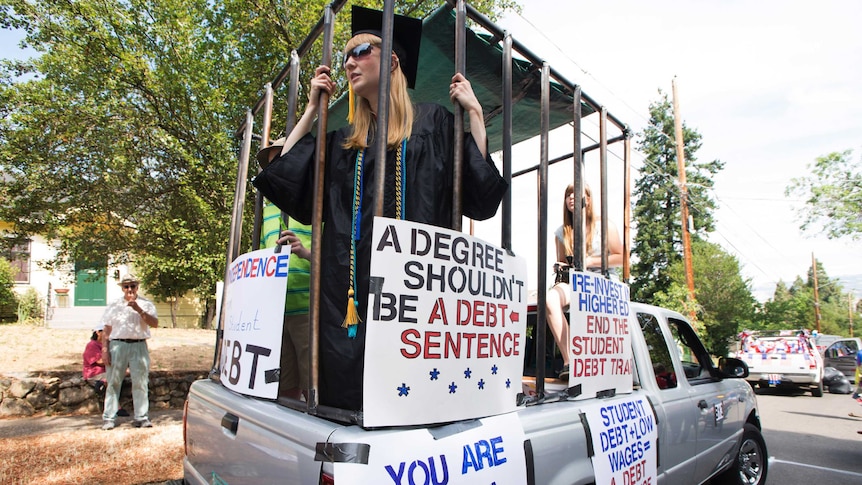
(68, 393)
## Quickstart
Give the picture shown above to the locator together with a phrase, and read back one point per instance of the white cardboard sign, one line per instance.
(600, 350)
(625, 437)
(253, 323)
(446, 326)
(490, 452)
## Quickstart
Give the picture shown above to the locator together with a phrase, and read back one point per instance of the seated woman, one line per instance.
(558, 297)
(94, 367)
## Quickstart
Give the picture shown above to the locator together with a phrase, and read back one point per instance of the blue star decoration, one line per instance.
(452, 388)
(481, 384)
(468, 373)
(494, 369)
(403, 390)
(434, 374)
(508, 383)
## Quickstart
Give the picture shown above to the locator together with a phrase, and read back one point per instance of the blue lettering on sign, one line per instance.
(274, 266)
(427, 472)
(476, 455)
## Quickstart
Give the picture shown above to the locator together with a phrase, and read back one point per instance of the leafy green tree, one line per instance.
(833, 195)
(725, 304)
(793, 307)
(118, 139)
(786, 308)
(658, 242)
(8, 299)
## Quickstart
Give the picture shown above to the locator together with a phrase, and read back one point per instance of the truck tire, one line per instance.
(751, 463)
(817, 391)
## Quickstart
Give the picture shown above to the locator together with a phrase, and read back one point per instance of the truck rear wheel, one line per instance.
(818, 391)
(751, 463)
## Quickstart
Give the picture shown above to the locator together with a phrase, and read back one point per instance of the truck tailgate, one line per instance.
(256, 441)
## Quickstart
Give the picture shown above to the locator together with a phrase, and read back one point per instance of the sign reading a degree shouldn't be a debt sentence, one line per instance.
(446, 326)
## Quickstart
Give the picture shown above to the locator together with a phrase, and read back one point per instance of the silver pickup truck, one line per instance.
(663, 412)
(706, 416)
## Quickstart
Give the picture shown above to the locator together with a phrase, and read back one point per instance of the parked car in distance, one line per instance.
(786, 358)
(841, 354)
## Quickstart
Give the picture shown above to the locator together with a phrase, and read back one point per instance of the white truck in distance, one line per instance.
(786, 358)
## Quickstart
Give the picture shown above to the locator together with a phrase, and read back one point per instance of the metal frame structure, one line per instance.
(290, 74)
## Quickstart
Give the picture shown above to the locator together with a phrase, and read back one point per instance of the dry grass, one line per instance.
(121, 456)
(38, 349)
(83, 453)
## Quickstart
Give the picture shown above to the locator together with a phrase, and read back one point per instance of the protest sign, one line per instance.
(254, 315)
(625, 438)
(600, 350)
(446, 326)
(488, 451)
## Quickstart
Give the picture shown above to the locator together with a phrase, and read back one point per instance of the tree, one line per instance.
(658, 242)
(119, 138)
(793, 307)
(832, 194)
(724, 300)
(8, 299)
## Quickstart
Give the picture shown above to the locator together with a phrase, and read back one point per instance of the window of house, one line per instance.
(18, 255)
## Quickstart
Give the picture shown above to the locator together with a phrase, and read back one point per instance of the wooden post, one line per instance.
(683, 200)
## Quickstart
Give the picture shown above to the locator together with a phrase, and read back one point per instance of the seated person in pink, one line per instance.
(94, 367)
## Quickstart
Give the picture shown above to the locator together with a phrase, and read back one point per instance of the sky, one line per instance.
(770, 85)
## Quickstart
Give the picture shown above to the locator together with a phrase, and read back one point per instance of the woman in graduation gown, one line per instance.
(419, 184)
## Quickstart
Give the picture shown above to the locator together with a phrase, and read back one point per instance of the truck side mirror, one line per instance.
(733, 367)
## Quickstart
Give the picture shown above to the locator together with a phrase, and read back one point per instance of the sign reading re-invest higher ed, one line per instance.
(600, 350)
(446, 326)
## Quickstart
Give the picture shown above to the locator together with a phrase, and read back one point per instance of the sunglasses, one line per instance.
(359, 52)
(126, 287)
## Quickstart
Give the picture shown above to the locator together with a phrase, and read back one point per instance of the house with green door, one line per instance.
(76, 296)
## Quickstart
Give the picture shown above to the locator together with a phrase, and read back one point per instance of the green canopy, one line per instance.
(484, 71)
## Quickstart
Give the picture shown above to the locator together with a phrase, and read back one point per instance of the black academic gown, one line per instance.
(288, 183)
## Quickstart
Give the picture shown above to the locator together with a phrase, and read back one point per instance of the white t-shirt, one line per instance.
(596, 245)
(125, 322)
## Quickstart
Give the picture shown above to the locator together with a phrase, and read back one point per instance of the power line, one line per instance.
(695, 199)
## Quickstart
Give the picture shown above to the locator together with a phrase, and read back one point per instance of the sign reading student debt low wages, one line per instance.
(254, 314)
(600, 347)
(446, 326)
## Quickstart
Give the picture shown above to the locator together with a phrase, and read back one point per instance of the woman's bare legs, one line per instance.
(556, 301)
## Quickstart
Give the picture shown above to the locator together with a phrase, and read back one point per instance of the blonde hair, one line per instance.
(589, 220)
(400, 106)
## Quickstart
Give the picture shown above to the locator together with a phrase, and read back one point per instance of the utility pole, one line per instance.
(850, 310)
(683, 200)
(816, 294)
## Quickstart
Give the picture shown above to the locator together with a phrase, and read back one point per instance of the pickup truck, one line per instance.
(787, 358)
(706, 417)
(661, 410)
(841, 354)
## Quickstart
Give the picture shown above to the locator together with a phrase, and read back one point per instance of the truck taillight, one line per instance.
(326, 479)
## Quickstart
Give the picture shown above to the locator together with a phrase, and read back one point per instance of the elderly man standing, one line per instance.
(127, 322)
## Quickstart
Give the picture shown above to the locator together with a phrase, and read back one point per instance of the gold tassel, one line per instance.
(351, 103)
(352, 316)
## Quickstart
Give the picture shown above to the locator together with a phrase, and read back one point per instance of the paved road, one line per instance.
(811, 440)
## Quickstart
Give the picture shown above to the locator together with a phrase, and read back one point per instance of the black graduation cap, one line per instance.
(406, 36)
